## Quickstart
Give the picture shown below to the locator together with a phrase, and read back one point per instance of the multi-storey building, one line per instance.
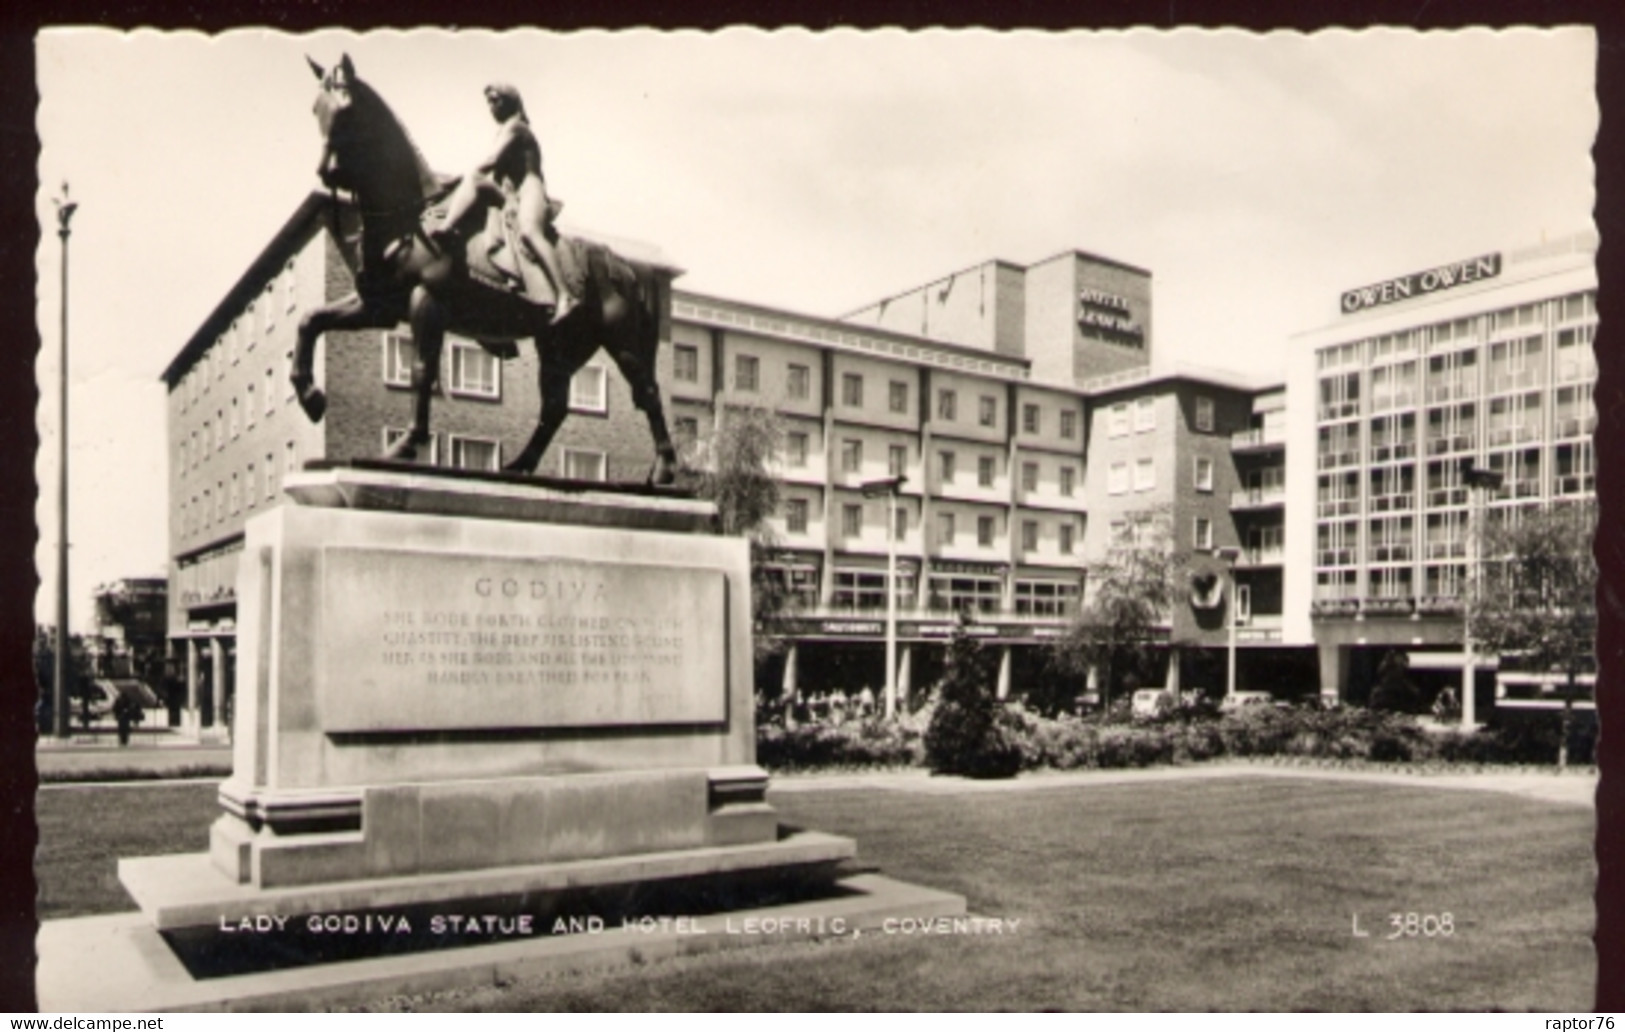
(1020, 403)
(1480, 364)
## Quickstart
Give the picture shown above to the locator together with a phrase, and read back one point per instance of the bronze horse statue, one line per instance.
(403, 275)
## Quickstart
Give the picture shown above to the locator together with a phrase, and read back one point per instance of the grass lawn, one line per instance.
(1224, 894)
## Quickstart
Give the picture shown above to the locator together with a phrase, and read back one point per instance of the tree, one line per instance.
(1395, 691)
(965, 735)
(1129, 598)
(735, 471)
(1535, 597)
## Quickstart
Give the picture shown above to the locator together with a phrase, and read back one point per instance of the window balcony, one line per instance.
(1261, 556)
(1258, 497)
(1259, 438)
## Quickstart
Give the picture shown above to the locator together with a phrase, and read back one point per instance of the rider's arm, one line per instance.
(507, 136)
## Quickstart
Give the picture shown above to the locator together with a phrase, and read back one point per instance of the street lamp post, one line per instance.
(871, 489)
(1230, 554)
(1479, 482)
(59, 688)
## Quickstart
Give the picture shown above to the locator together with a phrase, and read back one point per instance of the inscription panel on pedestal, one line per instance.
(411, 641)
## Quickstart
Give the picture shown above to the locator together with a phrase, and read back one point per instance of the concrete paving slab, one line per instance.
(119, 962)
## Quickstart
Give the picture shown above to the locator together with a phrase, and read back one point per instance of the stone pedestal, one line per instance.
(442, 676)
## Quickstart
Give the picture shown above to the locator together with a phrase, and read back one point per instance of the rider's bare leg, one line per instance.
(549, 257)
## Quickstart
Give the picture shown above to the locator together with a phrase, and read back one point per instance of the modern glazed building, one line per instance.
(1484, 362)
(1021, 403)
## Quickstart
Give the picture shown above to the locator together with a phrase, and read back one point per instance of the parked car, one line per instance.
(1152, 702)
(1245, 700)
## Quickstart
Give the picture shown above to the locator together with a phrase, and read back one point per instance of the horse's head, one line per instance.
(366, 149)
(334, 108)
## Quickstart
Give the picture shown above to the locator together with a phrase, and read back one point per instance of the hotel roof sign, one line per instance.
(1416, 284)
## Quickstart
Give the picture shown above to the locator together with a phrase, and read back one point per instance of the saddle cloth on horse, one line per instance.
(497, 256)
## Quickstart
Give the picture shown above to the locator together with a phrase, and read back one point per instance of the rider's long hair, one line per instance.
(510, 93)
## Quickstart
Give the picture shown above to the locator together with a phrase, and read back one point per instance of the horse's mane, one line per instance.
(391, 145)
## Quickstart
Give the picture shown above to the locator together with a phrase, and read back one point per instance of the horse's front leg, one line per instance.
(347, 313)
(428, 336)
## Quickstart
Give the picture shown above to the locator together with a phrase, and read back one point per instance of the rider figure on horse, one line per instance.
(514, 165)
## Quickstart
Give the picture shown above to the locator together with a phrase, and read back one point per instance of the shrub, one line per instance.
(868, 743)
(967, 733)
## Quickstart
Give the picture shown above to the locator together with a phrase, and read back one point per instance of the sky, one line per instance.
(1256, 175)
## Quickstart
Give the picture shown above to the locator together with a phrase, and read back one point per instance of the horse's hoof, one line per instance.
(405, 449)
(519, 465)
(314, 402)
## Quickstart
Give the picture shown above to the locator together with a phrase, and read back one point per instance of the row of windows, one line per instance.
(798, 387)
(1509, 419)
(1145, 416)
(796, 511)
(281, 294)
(866, 590)
(243, 490)
(1458, 333)
(231, 420)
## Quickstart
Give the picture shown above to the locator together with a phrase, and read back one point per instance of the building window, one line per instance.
(270, 391)
(851, 456)
(984, 531)
(290, 287)
(205, 515)
(1029, 535)
(852, 390)
(391, 435)
(985, 469)
(900, 526)
(866, 589)
(1204, 532)
(1204, 474)
(896, 459)
(475, 453)
(1117, 420)
(945, 528)
(897, 396)
(685, 363)
(269, 307)
(248, 406)
(589, 389)
(220, 501)
(1029, 477)
(232, 336)
(1204, 415)
(945, 467)
(270, 476)
(958, 593)
(1045, 598)
(1069, 424)
(1117, 479)
(1145, 474)
(747, 372)
(987, 410)
(798, 382)
(851, 521)
(1066, 539)
(1068, 481)
(795, 447)
(474, 371)
(1029, 419)
(947, 404)
(686, 429)
(1145, 414)
(236, 495)
(194, 449)
(219, 429)
(795, 515)
(236, 420)
(585, 464)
